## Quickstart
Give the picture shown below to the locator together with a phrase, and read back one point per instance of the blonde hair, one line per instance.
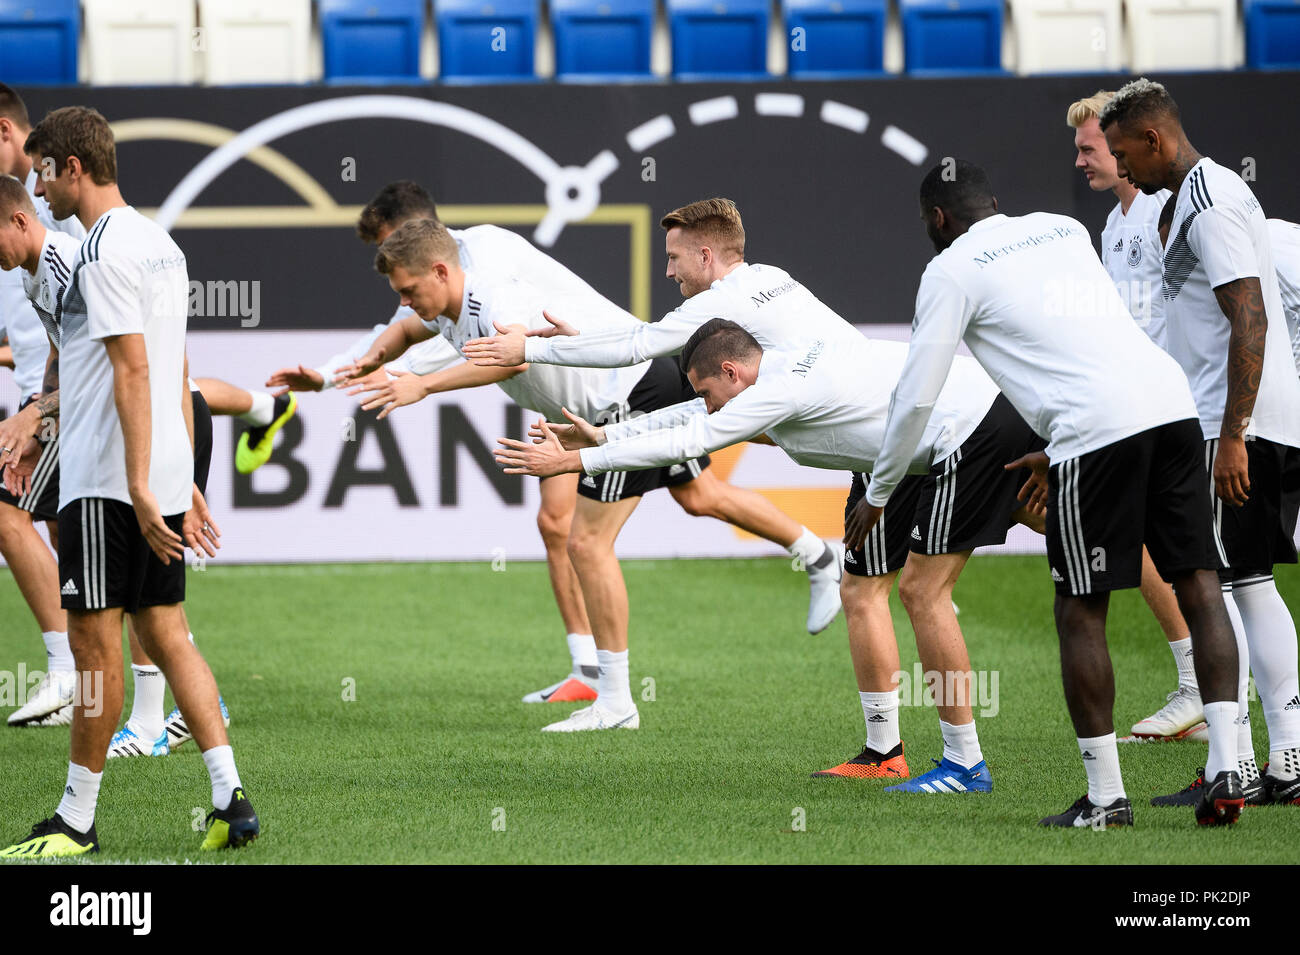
(415, 246)
(1081, 111)
(716, 221)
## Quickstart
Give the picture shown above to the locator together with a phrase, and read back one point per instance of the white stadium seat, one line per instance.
(252, 41)
(1183, 35)
(139, 41)
(1068, 36)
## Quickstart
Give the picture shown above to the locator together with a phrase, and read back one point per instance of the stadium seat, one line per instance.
(1068, 36)
(140, 41)
(251, 41)
(38, 41)
(1272, 34)
(719, 39)
(371, 40)
(602, 38)
(951, 36)
(1182, 34)
(839, 36)
(486, 39)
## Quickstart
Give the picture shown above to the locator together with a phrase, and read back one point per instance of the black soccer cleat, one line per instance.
(1084, 815)
(51, 838)
(1281, 791)
(1184, 797)
(1221, 801)
(234, 826)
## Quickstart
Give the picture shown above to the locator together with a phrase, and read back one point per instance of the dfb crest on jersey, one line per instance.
(1135, 251)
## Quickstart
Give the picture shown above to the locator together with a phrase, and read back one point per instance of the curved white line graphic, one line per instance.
(572, 192)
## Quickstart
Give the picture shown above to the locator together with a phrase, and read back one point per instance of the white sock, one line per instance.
(1221, 721)
(77, 807)
(1245, 745)
(880, 710)
(1270, 632)
(613, 692)
(225, 778)
(1101, 763)
(810, 549)
(58, 654)
(147, 715)
(582, 651)
(961, 744)
(1284, 764)
(259, 416)
(1183, 658)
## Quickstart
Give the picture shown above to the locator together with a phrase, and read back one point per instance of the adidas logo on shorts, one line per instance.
(69, 589)
(1056, 576)
(675, 470)
(849, 558)
(916, 533)
(589, 481)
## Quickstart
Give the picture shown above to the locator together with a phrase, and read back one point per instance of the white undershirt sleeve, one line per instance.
(669, 417)
(619, 348)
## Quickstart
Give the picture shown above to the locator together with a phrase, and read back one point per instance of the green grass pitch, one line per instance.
(436, 760)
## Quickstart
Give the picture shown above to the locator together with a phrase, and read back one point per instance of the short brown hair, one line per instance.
(14, 196)
(76, 131)
(13, 108)
(717, 221)
(414, 246)
(716, 341)
(395, 203)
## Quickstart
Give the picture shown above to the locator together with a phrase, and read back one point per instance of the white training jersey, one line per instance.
(128, 278)
(764, 300)
(824, 405)
(1132, 254)
(44, 288)
(1219, 234)
(1031, 300)
(597, 394)
(1285, 239)
(422, 358)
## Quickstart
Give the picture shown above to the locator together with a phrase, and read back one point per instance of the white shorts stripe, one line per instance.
(102, 586)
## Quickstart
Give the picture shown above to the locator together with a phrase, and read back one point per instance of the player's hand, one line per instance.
(20, 466)
(572, 437)
(16, 431)
(1232, 471)
(162, 540)
(1034, 491)
(858, 524)
(558, 327)
(403, 388)
(540, 460)
(376, 379)
(295, 379)
(505, 349)
(199, 529)
(360, 368)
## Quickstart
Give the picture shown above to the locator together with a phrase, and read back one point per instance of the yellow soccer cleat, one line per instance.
(233, 826)
(254, 448)
(51, 838)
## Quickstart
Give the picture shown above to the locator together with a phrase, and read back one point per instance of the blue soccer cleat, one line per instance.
(948, 777)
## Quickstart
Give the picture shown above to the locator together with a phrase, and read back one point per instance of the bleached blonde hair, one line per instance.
(1082, 110)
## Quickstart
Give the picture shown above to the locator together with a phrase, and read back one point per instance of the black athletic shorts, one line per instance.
(969, 497)
(1149, 488)
(202, 441)
(42, 501)
(104, 560)
(884, 551)
(1250, 539)
(662, 386)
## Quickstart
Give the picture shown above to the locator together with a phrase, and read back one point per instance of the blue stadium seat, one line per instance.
(952, 36)
(838, 37)
(38, 41)
(371, 40)
(486, 39)
(602, 39)
(719, 39)
(1272, 34)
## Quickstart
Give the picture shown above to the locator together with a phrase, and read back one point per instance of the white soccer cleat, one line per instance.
(60, 717)
(572, 689)
(824, 601)
(126, 742)
(1180, 714)
(595, 717)
(55, 691)
(176, 730)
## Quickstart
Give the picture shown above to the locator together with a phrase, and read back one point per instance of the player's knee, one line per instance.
(554, 529)
(917, 590)
(696, 501)
(12, 521)
(584, 546)
(860, 594)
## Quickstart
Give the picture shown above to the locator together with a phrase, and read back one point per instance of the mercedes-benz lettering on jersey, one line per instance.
(1132, 254)
(595, 394)
(777, 310)
(1031, 300)
(1219, 234)
(824, 405)
(128, 278)
(53, 270)
(1285, 239)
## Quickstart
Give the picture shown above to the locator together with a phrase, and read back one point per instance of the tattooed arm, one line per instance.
(1242, 302)
(48, 402)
